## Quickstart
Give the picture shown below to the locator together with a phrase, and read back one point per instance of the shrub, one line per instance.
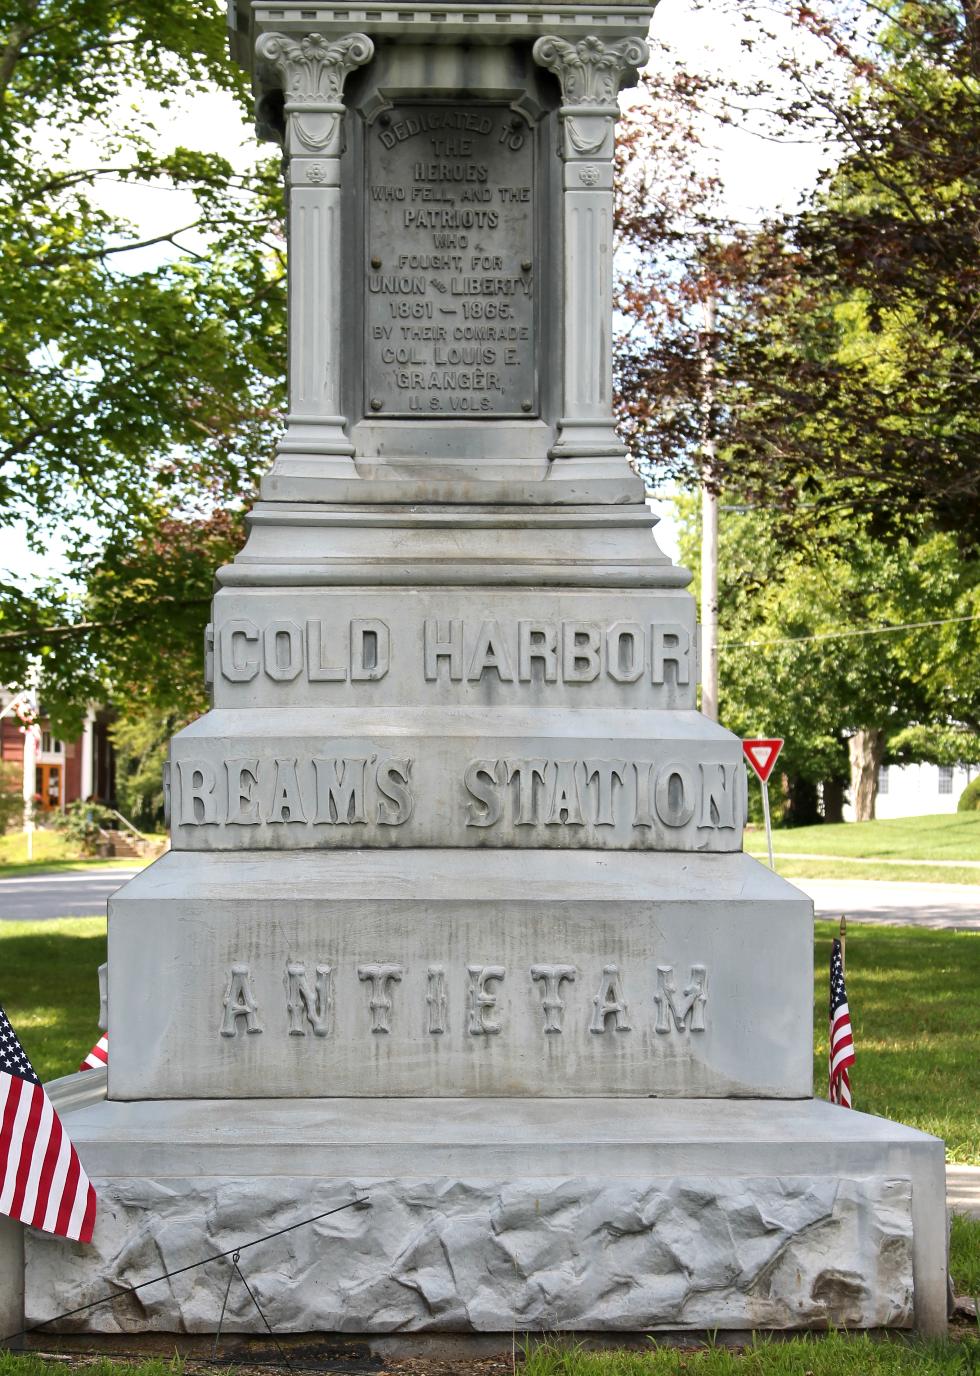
(80, 823)
(970, 797)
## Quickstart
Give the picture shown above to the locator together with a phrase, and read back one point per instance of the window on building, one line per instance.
(883, 779)
(945, 778)
(49, 745)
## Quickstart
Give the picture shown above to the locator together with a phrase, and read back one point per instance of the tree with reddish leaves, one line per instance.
(839, 383)
(845, 354)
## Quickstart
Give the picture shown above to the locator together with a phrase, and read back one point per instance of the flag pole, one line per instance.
(843, 942)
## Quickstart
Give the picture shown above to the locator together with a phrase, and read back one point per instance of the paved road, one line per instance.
(83, 894)
(38, 897)
(895, 902)
(963, 1190)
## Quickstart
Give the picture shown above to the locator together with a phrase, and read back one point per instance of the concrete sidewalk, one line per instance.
(963, 1190)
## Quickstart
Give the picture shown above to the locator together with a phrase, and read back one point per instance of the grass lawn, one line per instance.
(913, 995)
(49, 988)
(134, 862)
(952, 837)
(872, 869)
(52, 853)
(831, 1354)
(964, 1255)
(47, 845)
(912, 992)
(875, 870)
(916, 1015)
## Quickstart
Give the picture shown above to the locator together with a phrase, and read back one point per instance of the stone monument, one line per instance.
(457, 916)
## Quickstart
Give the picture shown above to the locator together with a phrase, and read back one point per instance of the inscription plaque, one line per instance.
(450, 281)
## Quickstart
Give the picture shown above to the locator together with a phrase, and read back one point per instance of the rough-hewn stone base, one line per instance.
(504, 1215)
(467, 1255)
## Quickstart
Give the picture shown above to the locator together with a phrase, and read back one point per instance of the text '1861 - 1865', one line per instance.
(450, 283)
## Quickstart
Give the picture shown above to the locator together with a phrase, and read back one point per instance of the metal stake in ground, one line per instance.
(762, 755)
(362, 1202)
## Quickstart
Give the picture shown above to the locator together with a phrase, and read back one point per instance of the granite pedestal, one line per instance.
(457, 918)
(490, 1216)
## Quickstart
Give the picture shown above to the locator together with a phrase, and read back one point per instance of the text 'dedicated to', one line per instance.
(450, 281)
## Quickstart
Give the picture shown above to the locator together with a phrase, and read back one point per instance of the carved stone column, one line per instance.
(312, 71)
(591, 72)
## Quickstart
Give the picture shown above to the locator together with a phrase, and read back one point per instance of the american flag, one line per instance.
(99, 1055)
(41, 1178)
(841, 1036)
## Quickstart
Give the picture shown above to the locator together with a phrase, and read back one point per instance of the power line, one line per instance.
(843, 635)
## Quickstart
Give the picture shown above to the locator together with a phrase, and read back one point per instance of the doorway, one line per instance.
(48, 786)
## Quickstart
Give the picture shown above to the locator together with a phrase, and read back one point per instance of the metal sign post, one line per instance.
(762, 755)
(765, 813)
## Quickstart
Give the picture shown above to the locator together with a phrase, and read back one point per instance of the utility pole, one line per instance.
(709, 531)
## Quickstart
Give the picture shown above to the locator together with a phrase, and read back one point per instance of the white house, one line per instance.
(918, 790)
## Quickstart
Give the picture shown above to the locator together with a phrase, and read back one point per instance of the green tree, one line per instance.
(838, 382)
(11, 796)
(132, 387)
(807, 654)
(845, 359)
(141, 739)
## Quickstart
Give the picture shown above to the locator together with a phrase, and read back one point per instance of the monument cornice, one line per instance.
(500, 23)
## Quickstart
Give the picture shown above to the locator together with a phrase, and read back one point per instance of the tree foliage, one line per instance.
(822, 373)
(11, 795)
(842, 371)
(135, 386)
(807, 653)
(141, 739)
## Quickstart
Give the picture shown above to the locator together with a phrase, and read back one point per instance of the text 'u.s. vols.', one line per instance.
(450, 281)
(456, 650)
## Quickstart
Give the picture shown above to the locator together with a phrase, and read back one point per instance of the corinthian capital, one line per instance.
(312, 71)
(590, 71)
(312, 68)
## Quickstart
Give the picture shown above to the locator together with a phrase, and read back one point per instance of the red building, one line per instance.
(64, 771)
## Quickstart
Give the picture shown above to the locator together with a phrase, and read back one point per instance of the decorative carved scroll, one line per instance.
(313, 71)
(591, 71)
(312, 68)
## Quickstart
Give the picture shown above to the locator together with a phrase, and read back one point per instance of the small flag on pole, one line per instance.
(99, 1055)
(41, 1178)
(841, 1035)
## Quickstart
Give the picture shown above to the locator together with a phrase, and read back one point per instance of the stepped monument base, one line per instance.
(493, 1216)
(457, 925)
